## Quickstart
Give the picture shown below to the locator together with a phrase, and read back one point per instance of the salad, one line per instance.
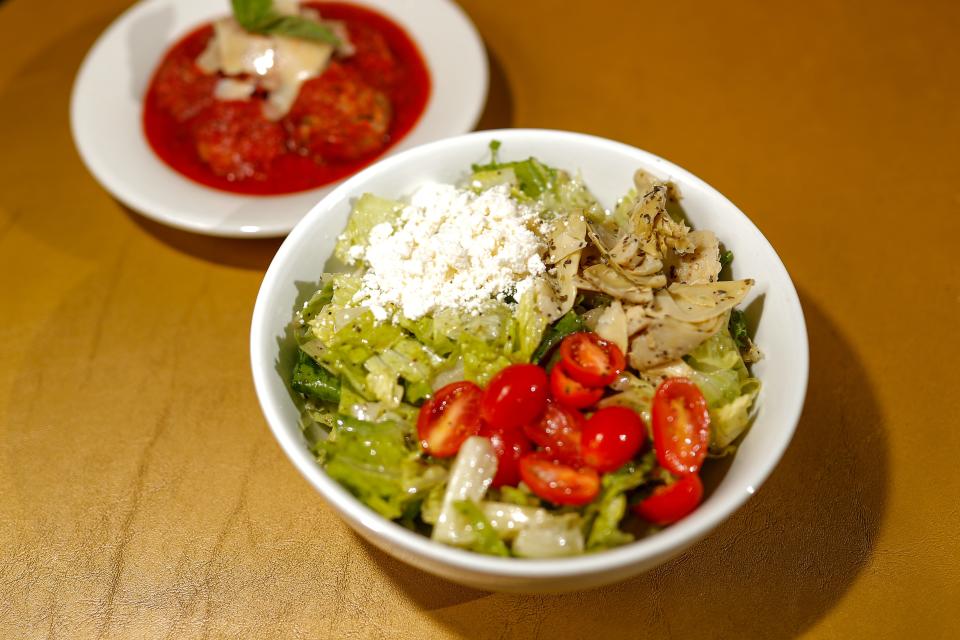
(510, 368)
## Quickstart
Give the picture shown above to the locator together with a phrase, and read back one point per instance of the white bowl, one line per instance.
(607, 167)
(106, 111)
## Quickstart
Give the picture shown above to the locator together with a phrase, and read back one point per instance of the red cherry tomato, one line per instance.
(571, 393)
(559, 483)
(451, 416)
(611, 437)
(671, 502)
(590, 359)
(515, 396)
(510, 445)
(558, 432)
(681, 426)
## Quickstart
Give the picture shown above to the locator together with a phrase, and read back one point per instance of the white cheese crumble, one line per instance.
(450, 248)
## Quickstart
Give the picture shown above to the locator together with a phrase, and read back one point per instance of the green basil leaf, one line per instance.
(249, 13)
(297, 27)
(259, 16)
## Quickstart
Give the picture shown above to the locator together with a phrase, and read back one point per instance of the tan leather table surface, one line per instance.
(142, 495)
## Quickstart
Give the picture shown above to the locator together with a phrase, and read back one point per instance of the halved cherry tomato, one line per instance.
(671, 502)
(571, 393)
(590, 359)
(681, 426)
(510, 445)
(448, 418)
(558, 432)
(516, 395)
(611, 437)
(559, 483)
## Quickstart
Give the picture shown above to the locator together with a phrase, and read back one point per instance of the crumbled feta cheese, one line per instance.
(450, 248)
(355, 253)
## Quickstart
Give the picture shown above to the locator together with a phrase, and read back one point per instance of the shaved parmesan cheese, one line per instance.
(230, 89)
(278, 64)
(295, 62)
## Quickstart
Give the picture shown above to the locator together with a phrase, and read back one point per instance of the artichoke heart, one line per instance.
(700, 302)
(702, 265)
(612, 325)
(557, 291)
(606, 279)
(657, 231)
(566, 237)
(667, 339)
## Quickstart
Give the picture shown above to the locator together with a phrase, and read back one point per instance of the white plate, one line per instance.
(107, 106)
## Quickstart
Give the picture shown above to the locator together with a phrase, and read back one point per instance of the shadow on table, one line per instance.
(771, 571)
(245, 253)
(498, 110)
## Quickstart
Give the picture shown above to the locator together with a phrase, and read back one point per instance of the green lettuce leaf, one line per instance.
(520, 495)
(602, 517)
(485, 538)
(555, 333)
(727, 386)
(368, 212)
(530, 326)
(531, 177)
(377, 462)
(314, 381)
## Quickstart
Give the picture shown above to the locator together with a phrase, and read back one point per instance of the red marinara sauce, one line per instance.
(342, 120)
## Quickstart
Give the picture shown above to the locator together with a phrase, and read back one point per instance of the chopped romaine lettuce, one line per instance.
(430, 334)
(530, 325)
(555, 333)
(376, 462)
(368, 212)
(314, 381)
(738, 328)
(727, 386)
(570, 194)
(487, 178)
(602, 517)
(495, 339)
(623, 208)
(485, 538)
(519, 495)
(347, 349)
(550, 537)
(430, 508)
(481, 359)
(530, 177)
(317, 302)
(508, 519)
(535, 532)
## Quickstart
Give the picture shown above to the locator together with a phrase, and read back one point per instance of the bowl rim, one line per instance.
(182, 216)
(671, 540)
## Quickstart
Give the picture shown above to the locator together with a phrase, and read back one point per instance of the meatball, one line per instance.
(339, 117)
(236, 140)
(373, 57)
(181, 88)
